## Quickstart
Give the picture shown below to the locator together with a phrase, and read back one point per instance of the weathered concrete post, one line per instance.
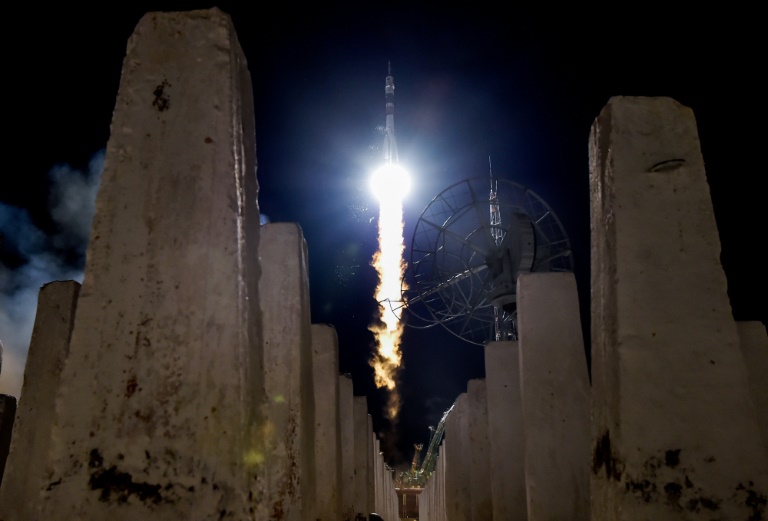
(159, 397)
(458, 454)
(371, 468)
(392, 504)
(505, 430)
(362, 453)
(555, 397)
(7, 416)
(25, 472)
(440, 507)
(426, 501)
(674, 427)
(378, 482)
(347, 435)
(288, 380)
(754, 347)
(325, 366)
(479, 468)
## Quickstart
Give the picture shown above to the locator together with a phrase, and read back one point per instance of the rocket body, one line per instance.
(390, 144)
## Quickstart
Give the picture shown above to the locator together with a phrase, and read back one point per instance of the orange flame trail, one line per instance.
(387, 331)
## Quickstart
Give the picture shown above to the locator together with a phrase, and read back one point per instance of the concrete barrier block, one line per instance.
(347, 435)
(555, 397)
(674, 426)
(158, 407)
(505, 430)
(288, 374)
(327, 449)
(362, 457)
(26, 468)
(479, 469)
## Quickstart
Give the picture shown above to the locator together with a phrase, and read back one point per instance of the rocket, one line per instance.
(390, 144)
(390, 182)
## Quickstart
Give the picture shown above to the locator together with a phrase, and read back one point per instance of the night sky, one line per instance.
(522, 85)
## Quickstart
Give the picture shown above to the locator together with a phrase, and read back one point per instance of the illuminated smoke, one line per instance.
(389, 265)
(57, 253)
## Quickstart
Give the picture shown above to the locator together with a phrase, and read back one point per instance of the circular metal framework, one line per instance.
(469, 246)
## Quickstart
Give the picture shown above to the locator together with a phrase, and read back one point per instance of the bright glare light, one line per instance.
(391, 181)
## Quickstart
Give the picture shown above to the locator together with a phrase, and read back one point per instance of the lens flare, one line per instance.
(390, 184)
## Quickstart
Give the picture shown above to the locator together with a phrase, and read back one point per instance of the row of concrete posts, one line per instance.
(674, 423)
(511, 442)
(184, 379)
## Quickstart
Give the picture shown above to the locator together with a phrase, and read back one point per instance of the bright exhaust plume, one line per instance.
(390, 184)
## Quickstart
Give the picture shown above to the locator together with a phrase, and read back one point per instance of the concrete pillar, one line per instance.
(7, 415)
(288, 381)
(753, 341)
(674, 427)
(381, 493)
(376, 477)
(387, 494)
(393, 503)
(505, 431)
(458, 492)
(158, 399)
(371, 468)
(440, 510)
(325, 367)
(362, 453)
(25, 470)
(429, 497)
(555, 397)
(479, 468)
(347, 435)
(384, 490)
(425, 502)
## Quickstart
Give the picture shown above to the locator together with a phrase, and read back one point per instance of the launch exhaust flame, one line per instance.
(390, 267)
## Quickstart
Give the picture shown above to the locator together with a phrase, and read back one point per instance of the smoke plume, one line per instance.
(56, 253)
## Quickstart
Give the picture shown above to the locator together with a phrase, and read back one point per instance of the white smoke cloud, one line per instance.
(71, 201)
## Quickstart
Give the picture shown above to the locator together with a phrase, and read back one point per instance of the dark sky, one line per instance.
(522, 85)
